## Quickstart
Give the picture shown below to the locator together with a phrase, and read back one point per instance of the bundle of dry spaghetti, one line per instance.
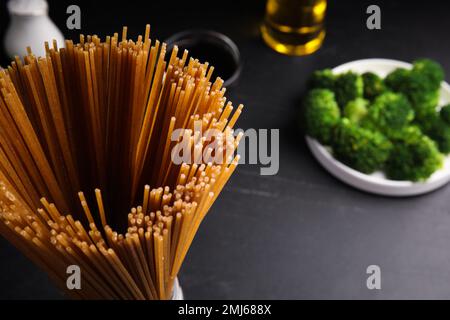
(99, 117)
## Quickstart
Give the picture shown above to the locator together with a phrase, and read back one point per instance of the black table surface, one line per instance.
(300, 234)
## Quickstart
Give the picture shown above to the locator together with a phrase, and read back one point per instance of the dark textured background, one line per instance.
(300, 234)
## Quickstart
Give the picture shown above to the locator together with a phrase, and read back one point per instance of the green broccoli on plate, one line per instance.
(321, 114)
(360, 148)
(414, 156)
(356, 110)
(389, 113)
(322, 79)
(393, 124)
(348, 86)
(373, 85)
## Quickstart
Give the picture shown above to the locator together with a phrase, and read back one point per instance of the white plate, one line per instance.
(377, 183)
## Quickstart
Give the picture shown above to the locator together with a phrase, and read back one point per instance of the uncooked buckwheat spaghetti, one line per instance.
(99, 116)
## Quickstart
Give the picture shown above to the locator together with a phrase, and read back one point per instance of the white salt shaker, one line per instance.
(30, 26)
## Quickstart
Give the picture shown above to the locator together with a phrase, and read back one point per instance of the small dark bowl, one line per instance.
(213, 47)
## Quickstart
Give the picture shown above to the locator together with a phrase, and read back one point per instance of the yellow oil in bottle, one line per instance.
(294, 27)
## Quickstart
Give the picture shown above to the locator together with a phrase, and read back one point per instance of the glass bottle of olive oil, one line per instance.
(294, 27)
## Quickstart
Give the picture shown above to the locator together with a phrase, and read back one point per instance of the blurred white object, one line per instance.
(376, 182)
(177, 291)
(30, 26)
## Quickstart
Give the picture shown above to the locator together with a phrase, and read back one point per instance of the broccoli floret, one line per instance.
(322, 79)
(431, 70)
(414, 156)
(437, 129)
(396, 80)
(440, 133)
(348, 87)
(423, 99)
(424, 102)
(445, 113)
(373, 85)
(420, 85)
(356, 110)
(389, 113)
(359, 148)
(321, 114)
(425, 74)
